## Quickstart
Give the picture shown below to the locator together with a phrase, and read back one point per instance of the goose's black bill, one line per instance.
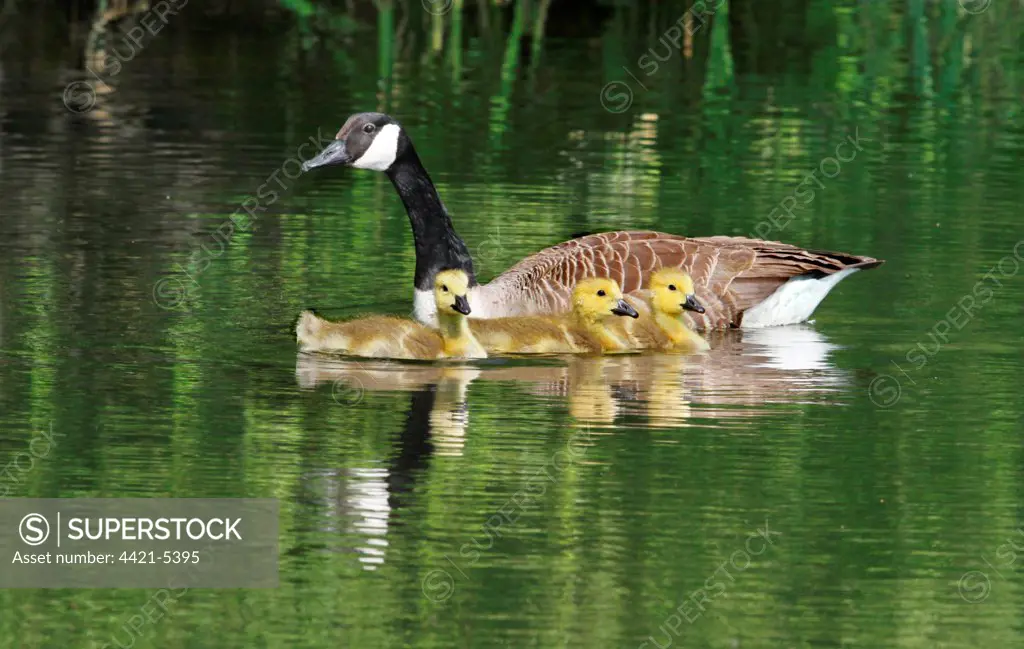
(691, 304)
(333, 154)
(623, 308)
(461, 305)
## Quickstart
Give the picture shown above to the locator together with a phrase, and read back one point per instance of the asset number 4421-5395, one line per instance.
(167, 556)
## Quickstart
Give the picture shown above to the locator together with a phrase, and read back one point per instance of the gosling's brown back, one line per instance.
(533, 335)
(376, 336)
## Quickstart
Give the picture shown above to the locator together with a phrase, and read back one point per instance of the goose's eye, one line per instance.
(601, 293)
(444, 288)
(671, 287)
(369, 128)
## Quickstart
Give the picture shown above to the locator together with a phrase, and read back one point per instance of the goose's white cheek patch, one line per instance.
(382, 152)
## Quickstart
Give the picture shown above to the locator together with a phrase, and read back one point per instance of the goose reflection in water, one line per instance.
(359, 501)
(745, 374)
(358, 496)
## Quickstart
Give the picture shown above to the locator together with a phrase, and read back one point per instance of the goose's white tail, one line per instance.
(792, 302)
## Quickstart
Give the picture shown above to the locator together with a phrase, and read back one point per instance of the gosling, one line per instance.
(669, 295)
(390, 337)
(595, 301)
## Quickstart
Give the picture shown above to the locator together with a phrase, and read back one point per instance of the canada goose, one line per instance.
(745, 282)
(389, 337)
(595, 301)
(671, 293)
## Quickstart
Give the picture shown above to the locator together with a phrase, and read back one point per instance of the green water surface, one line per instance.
(852, 482)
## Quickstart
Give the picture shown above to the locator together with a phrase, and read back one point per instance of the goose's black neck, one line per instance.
(438, 246)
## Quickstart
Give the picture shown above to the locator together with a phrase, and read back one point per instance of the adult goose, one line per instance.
(741, 282)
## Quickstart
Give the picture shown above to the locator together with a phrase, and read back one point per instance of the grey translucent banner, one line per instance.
(138, 543)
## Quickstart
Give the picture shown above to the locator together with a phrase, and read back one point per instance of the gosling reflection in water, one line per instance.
(784, 365)
(448, 415)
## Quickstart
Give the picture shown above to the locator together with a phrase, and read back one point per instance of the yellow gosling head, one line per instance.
(450, 289)
(673, 292)
(595, 298)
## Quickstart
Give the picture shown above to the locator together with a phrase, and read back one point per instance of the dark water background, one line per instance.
(882, 442)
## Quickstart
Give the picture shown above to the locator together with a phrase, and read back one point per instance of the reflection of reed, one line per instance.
(96, 55)
(744, 368)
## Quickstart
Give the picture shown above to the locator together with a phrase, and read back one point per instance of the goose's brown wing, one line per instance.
(731, 274)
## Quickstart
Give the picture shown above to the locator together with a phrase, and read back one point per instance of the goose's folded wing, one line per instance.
(731, 274)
